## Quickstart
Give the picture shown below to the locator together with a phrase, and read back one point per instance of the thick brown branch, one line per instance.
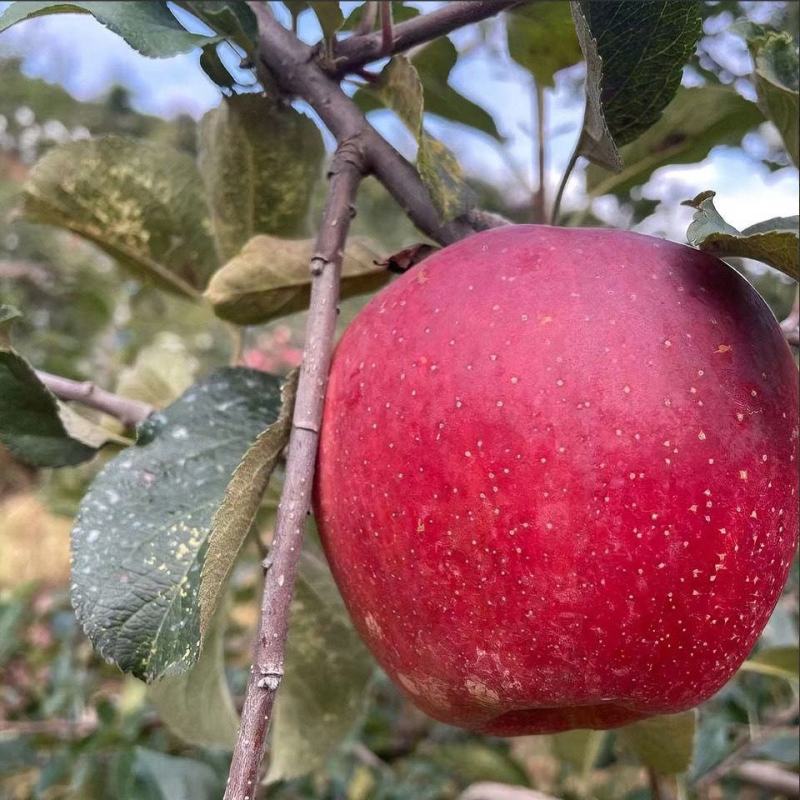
(127, 411)
(293, 66)
(268, 657)
(361, 49)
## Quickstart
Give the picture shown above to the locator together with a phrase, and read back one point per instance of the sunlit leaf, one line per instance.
(232, 19)
(146, 25)
(774, 241)
(260, 163)
(634, 56)
(142, 529)
(142, 203)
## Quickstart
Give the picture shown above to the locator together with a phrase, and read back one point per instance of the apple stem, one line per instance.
(539, 205)
(573, 160)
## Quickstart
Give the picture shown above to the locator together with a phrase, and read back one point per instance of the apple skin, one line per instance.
(557, 477)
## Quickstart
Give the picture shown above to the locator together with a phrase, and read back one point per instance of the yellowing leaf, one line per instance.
(271, 277)
(142, 203)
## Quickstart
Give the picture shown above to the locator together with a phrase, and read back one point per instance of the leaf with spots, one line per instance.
(634, 55)
(147, 26)
(774, 241)
(664, 743)
(541, 38)
(197, 706)
(140, 202)
(260, 163)
(399, 88)
(326, 674)
(776, 76)
(34, 425)
(142, 529)
(697, 119)
(271, 277)
(236, 514)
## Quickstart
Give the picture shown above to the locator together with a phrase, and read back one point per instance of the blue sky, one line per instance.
(85, 58)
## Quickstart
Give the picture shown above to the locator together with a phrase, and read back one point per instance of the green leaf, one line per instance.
(541, 38)
(140, 202)
(474, 761)
(141, 531)
(326, 674)
(330, 19)
(243, 495)
(399, 88)
(197, 706)
(434, 63)
(260, 163)
(165, 777)
(696, 120)
(212, 65)
(665, 743)
(634, 57)
(578, 748)
(776, 67)
(778, 662)
(146, 25)
(271, 277)
(774, 241)
(34, 425)
(233, 20)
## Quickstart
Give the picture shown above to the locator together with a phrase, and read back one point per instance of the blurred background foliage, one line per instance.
(73, 727)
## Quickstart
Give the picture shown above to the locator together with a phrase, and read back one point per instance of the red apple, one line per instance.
(557, 477)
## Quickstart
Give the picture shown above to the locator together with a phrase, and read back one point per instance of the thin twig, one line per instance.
(267, 670)
(539, 209)
(361, 49)
(791, 325)
(127, 411)
(573, 160)
(770, 776)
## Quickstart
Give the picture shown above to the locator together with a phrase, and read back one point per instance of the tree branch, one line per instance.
(362, 49)
(297, 73)
(127, 411)
(267, 670)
